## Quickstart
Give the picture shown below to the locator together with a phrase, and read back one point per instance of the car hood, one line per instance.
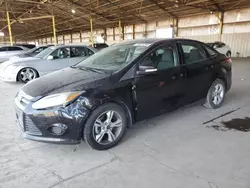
(17, 61)
(65, 80)
(24, 55)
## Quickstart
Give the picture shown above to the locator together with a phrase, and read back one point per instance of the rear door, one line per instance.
(79, 53)
(199, 70)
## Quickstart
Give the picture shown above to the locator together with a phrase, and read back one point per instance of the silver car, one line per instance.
(47, 61)
(9, 51)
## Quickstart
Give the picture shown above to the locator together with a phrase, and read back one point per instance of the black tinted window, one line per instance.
(3, 49)
(38, 50)
(79, 52)
(193, 53)
(162, 58)
(61, 53)
(100, 45)
(14, 48)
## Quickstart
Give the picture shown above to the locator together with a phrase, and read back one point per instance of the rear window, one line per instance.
(14, 48)
(210, 51)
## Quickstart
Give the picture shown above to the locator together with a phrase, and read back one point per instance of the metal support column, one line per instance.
(91, 31)
(113, 33)
(220, 16)
(221, 24)
(120, 30)
(9, 27)
(54, 30)
(133, 31)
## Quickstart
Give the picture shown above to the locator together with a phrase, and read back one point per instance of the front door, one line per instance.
(162, 90)
(61, 59)
(199, 71)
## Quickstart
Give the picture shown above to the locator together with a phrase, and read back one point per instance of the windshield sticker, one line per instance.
(142, 44)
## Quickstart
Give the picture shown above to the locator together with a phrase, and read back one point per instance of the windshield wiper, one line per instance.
(87, 68)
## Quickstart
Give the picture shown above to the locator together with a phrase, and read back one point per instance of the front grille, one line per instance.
(30, 127)
(26, 123)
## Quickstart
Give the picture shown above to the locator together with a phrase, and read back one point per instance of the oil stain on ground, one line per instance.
(234, 124)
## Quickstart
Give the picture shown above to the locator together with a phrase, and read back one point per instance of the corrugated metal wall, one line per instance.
(239, 42)
(236, 31)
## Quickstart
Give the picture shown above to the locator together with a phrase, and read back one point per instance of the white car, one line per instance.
(47, 61)
(221, 48)
(7, 52)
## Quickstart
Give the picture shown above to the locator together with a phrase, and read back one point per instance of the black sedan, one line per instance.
(97, 99)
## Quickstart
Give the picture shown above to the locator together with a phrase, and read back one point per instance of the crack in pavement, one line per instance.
(60, 178)
(222, 115)
(85, 172)
(211, 184)
(48, 170)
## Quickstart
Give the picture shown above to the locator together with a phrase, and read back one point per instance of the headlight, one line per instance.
(60, 99)
(10, 69)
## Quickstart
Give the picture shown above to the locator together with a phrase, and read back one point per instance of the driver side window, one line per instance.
(162, 58)
(61, 53)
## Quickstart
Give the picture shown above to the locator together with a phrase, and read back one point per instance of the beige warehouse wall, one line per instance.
(236, 31)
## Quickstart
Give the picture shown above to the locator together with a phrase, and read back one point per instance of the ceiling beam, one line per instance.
(79, 6)
(120, 8)
(162, 8)
(217, 6)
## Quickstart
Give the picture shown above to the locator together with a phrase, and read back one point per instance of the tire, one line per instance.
(96, 132)
(27, 74)
(218, 90)
(228, 54)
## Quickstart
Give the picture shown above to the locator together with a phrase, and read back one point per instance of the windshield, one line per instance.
(115, 57)
(31, 50)
(45, 52)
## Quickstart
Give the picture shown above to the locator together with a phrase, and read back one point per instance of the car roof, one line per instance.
(73, 45)
(23, 47)
(70, 45)
(156, 40)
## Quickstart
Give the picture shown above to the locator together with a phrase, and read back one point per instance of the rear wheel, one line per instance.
(216, 94)
(105, 127)
(27, 74)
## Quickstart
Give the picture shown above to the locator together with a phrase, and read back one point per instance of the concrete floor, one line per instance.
(173, 150)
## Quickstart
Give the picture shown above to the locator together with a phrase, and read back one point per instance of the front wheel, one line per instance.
(27, 74)
(105, 127)
(216, 94)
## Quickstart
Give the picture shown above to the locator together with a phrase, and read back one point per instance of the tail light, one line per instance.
(228, 60)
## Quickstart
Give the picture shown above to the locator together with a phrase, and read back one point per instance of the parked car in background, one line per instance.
(30, 46)
(9, 51)
(100, 46)
(222, 48)
(32, 52)
(47, 61)
(100, 97)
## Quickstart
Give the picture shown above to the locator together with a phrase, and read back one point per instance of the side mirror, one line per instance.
(215, 46)
(146, 70)
(50, 57)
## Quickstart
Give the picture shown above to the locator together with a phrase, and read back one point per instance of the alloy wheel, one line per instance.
(107, 127)
(218, 94)
(27, 74)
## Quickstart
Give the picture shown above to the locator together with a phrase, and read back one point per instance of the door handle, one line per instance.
(174, 77)
(209, 67)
